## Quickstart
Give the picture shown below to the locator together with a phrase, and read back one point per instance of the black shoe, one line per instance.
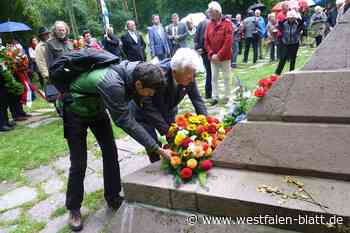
(214, 102)
(11, 124)
(74, 220)
(115, 203)
(27, 115)
(5, 128)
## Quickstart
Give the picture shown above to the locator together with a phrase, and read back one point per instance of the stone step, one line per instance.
(136, 218)
(307, 96)
(233, 192)
(321, 150)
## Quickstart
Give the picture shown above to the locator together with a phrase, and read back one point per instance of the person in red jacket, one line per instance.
(218, 42)
(281, 16)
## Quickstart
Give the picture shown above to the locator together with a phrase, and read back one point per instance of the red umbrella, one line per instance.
(278, 6)
(303, 5)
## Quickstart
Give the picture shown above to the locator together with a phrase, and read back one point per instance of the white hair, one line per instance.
(215, 6)
(318, 9)
(184, 58)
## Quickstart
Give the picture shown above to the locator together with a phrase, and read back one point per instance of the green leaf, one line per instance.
(177, 181)
(202, 177)
(165, 165)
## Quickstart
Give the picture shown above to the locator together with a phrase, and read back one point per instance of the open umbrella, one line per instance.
(256, 6)
(278, 6)
(196, 18)
(13, 27)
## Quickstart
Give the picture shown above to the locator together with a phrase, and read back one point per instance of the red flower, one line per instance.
(186, 173)
(201, 129)
(265, 83)
(181, 121)
(274, 77)
(211, 119)
(205, 146)
(260, 92)
(212, 129)
(206, 165)
(186, 142)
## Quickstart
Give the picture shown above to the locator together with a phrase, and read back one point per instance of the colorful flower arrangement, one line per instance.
(265, 85)
(193, 138)
(8, 65)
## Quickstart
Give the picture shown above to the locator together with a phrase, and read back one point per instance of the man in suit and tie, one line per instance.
(133, 44)
(158, 41)
(177, 34)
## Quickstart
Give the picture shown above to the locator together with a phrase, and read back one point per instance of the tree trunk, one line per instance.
(135, 12)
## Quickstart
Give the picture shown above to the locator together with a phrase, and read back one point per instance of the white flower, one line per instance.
(183, 132)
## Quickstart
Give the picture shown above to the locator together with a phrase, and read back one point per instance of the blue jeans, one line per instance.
(235, 51)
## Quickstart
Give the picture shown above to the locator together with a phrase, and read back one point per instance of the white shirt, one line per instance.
(133, 35)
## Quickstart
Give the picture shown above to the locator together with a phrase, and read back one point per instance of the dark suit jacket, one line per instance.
(134, 51)
(182, 33)
(163, 105)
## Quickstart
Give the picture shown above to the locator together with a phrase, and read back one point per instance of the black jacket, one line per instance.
(134, 51)
(199, 36)
(112, 45)
(164, 103)
(116, 89)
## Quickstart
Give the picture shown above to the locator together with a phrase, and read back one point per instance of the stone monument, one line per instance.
(299, 131)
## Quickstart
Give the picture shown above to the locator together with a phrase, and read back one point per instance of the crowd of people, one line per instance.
(142, 97)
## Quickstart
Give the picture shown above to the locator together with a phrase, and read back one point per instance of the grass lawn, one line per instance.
(28, 148)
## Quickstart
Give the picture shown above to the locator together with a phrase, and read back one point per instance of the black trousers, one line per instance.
(75, 131)
(16, 106)
(3, 107)
(287, 51)
(318, 40)
(248, 42)
(208, 87)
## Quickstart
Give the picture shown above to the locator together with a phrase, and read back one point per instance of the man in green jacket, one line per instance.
(84, 107)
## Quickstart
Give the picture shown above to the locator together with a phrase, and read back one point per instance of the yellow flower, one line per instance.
(192, 127)
(175, 161)
(209, 152)
(202, 119)
(221, 136)
(193, 120)
(186, 153)
(221, 130)
(205, 136)
(179, 139)
(192, 163)
(172, 128)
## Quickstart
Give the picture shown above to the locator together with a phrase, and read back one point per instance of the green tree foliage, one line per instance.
(87, 13)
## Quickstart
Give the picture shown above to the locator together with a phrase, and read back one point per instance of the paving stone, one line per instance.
(62, 163)
(55, 225)
(40, 174)
(93, 182)
(42, 122)
(17, 197)
(53, 185)
(10, 215)
(130, 163)
(6, 186)
(8, 229)
(42, 210)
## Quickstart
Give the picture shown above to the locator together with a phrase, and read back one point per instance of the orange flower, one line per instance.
(175, 161)
(181, 121)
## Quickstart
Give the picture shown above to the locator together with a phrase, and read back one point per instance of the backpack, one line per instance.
(70, 65)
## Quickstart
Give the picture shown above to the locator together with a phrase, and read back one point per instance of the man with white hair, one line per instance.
(59, 42)
(218, 42)
(261, 31)
(158, 112)
(318, 24)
